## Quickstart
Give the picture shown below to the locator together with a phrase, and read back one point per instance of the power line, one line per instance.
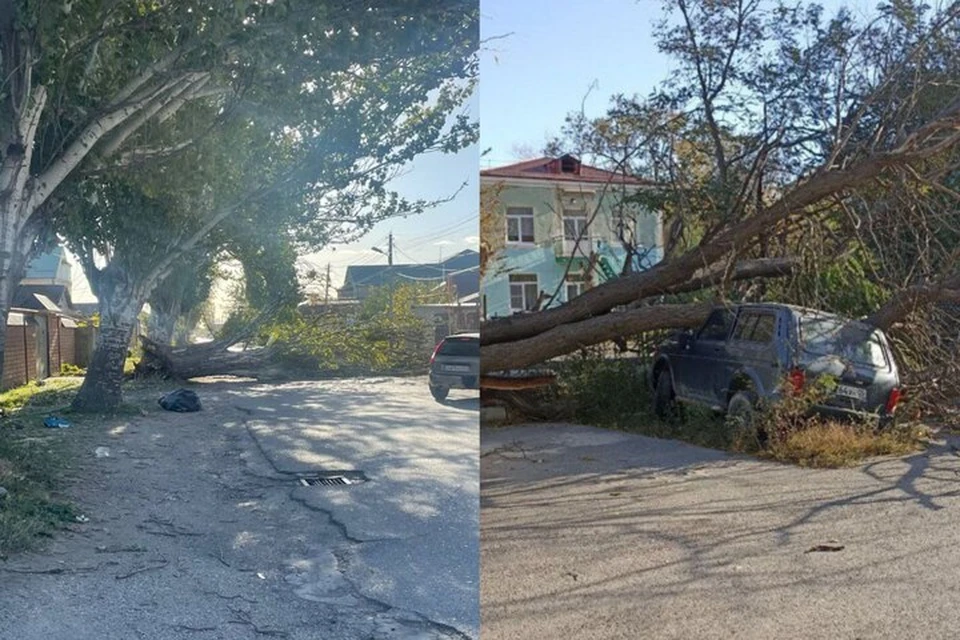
(439, 233)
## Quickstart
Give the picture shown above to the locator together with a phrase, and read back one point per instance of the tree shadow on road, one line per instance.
(668, 519)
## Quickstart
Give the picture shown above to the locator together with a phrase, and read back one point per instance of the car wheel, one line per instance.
(439, 393)
(664, 398)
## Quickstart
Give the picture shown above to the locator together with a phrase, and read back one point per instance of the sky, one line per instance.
(541, 60)
(438, 233)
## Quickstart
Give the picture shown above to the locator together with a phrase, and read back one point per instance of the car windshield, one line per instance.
(852, 341)
(469, 347)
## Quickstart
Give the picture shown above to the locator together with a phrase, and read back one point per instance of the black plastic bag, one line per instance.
(182, 400)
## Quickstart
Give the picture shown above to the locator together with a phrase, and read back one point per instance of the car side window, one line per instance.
(764, 329)
(755, 327)
(717, 325)
(744, 328)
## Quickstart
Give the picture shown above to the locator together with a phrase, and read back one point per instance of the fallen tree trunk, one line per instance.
(744, 270)
(570, 337)
(567, 338)
(206, 359)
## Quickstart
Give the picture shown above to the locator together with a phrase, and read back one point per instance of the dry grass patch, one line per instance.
(834, 444)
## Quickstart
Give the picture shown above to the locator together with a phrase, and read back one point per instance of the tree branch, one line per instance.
(570, 337)
(908, 300)
(50, 179)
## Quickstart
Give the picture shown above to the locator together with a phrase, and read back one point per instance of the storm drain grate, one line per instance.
(313, 482)
(331, 479)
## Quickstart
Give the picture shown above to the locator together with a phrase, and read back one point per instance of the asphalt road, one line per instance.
(593, 534)
(414, 521)
(196, 525)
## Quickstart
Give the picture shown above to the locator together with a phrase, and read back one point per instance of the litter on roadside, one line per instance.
(54, 422)
(181, 400)
(102, 452)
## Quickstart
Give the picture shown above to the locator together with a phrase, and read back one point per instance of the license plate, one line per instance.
(851, 392)
(459, 368)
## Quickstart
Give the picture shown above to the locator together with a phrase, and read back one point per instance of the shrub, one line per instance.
(67, 369)
(788, 431)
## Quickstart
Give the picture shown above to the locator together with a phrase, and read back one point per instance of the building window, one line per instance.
(574, 285)
(575, 225)
(520, 224)
(524, 292)
(574, 289)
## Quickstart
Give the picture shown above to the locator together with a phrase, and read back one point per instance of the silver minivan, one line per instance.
(455, 364)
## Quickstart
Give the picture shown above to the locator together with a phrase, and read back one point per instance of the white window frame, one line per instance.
(519, 215)
(580, 227)
(576, 286)
(526, 286)
(574, 280)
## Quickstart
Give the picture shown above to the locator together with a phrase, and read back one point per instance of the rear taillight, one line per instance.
(798, 378)
(436, 350)
(892, 400)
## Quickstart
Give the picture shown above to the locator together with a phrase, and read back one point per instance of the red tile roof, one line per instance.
(547, 168)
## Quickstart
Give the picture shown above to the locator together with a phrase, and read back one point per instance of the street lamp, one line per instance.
(389, 252)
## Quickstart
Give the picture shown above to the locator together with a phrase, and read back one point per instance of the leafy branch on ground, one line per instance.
(382, 335)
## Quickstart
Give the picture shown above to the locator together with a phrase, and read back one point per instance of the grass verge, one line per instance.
(615, 393)
(31, 459)
(51, 394)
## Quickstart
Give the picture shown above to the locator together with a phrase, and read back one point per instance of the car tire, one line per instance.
(664, 399)
(439, 393)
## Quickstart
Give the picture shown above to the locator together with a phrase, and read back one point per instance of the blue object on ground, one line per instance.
(54, 422)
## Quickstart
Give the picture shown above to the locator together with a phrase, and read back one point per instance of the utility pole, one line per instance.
(326, 294)
(390, 249)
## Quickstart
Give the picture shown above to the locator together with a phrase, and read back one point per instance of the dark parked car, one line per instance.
(745, 353)
(455, 364)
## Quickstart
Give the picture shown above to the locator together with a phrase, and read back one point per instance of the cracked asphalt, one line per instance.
(595, 534)
(198, 528)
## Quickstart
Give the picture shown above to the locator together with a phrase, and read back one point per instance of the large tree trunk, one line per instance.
(570, 337)
(102, 388)
(904, 302)
(163, 322)
(12, 268)
(207, 359)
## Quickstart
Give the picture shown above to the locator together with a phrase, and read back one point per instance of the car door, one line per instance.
(705, 352)
(752, 351)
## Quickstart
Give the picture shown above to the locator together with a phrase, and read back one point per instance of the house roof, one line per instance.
(551, 169)
(379, 275)
(382, 275)
(466, 259)
(466, 281)
(42, 297)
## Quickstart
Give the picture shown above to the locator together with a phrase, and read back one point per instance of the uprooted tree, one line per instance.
(174, 120)
(786, 143)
